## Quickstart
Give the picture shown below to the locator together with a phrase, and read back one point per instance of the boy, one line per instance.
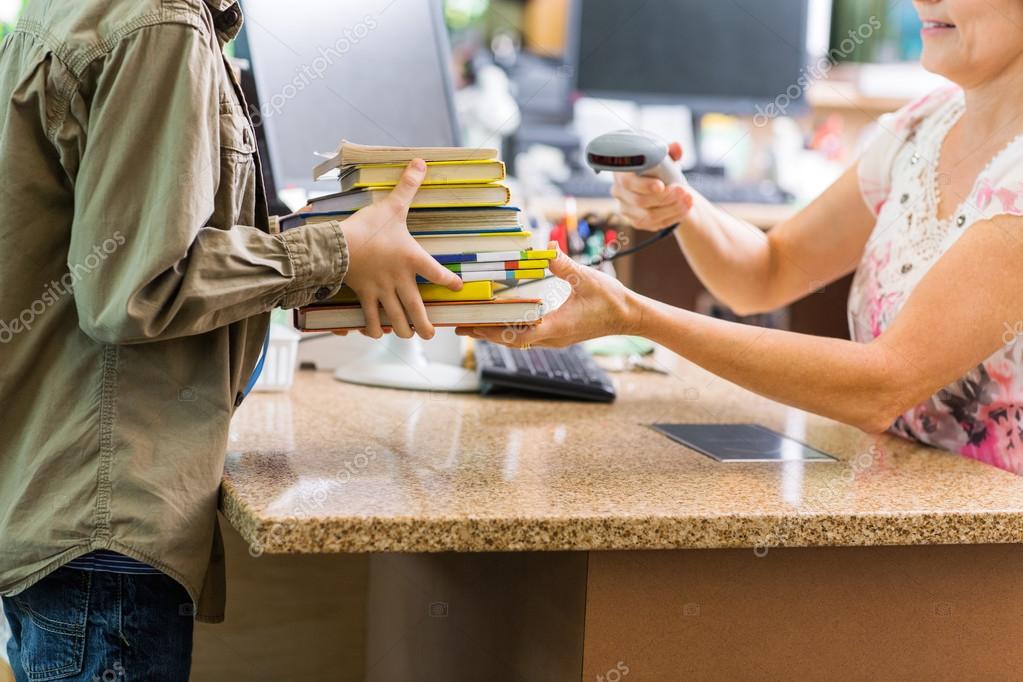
(138, 271)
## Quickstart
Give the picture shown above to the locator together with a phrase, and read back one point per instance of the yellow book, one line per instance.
(431, 293)
(437, 173)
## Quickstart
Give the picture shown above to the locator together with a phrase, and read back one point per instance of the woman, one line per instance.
(926, 220)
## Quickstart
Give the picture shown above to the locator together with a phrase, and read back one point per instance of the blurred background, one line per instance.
(771, 101)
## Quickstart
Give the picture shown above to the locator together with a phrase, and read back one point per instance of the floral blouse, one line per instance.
(980, 415)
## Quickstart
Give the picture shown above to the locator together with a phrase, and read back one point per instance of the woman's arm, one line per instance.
(955, 319)
(745, 268)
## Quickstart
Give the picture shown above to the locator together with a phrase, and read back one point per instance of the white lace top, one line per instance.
(978, 416)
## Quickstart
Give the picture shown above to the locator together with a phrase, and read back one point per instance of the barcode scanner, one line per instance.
(631, 151)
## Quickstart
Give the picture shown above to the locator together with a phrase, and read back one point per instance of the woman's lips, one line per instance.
(931, 28)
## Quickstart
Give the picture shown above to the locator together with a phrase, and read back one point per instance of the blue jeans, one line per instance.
(86, 626)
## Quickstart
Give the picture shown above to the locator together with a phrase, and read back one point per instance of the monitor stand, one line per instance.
(402, 363)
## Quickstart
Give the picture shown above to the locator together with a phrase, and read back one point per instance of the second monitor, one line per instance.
(727, 57)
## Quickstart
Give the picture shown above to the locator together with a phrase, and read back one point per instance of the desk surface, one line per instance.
(340, 468)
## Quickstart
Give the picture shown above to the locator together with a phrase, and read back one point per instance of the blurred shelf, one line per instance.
(837, 95)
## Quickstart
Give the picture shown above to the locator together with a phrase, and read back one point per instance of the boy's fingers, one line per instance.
(429, 268)
(396, 315)
(413, 304)
(371, 311)
(405, 191)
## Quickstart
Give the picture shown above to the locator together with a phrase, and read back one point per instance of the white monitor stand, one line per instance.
(393, 362)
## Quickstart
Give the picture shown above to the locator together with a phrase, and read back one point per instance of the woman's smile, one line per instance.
(936, 28)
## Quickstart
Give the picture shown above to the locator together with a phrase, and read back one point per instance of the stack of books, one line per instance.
(460, 215)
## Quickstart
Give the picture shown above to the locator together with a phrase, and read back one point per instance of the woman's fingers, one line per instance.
(513, 337)
(647, 200)
(563, 267)
(640, 219)
(652, 220)
(639, 184)
(675, 151)
(396, 315)
(413, 304)
(371, 310)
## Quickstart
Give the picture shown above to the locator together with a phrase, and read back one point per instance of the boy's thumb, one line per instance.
(405, 191)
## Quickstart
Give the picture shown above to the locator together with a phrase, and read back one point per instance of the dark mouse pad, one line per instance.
(741, 443)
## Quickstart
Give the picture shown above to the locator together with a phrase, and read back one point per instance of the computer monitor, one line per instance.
(728, 56)
(372, 71)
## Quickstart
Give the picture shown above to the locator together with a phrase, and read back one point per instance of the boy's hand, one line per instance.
(384, 260)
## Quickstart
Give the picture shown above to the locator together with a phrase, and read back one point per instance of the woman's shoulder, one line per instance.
(891, 134)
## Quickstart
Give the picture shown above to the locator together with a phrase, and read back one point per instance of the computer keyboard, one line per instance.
(716, 188)
(565, 372)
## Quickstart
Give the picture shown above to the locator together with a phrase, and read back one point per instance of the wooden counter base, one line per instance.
(835, 613)
(936, 613)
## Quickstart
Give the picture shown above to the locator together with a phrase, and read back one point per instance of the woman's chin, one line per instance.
(939, 64)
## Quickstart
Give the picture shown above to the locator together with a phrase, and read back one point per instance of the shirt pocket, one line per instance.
(235, 199)
(54, 613)
(236, 137)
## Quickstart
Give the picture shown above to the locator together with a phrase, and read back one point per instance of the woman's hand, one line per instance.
(598, 305)
(647, 203)
(384, 260)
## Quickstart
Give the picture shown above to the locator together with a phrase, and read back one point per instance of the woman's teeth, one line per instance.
(937, 24)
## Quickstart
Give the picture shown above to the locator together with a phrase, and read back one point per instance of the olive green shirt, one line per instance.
(137, 271)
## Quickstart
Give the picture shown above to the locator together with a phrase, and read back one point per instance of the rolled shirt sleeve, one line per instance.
(148, 263)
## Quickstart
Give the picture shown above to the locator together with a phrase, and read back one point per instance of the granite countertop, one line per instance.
(332, 467)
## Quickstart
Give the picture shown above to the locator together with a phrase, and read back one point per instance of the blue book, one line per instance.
(494, 256)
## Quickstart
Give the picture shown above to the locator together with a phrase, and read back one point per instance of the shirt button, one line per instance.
(915, 159)
(228, 18)
(960, 221)
(322, 293)
(906, 268)
(904, 198)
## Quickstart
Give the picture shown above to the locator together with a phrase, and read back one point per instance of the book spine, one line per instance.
(501, 275)
(481, 257)
(506, 265)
